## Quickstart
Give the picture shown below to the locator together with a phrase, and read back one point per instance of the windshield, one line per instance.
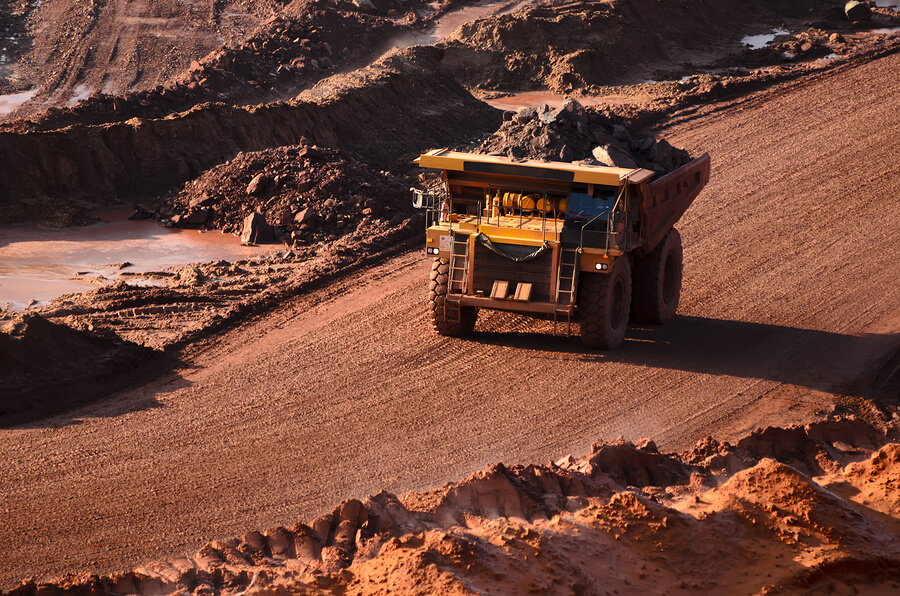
(583, 205)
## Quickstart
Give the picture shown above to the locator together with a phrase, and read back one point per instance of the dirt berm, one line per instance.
(383, 113)
(803, 510)
(85, 363)
(158, 66)
(578, 46)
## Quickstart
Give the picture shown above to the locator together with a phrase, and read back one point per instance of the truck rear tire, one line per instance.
(604, 302)
(438, 288)
(657, 281)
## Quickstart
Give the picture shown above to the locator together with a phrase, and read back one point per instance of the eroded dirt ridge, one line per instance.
(135, 158)
(802, 509)
(273, 50)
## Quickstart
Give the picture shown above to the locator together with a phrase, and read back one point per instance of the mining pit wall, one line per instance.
(380, 115)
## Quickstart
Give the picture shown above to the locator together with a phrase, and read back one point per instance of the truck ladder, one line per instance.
(566, 274)
(458, 276)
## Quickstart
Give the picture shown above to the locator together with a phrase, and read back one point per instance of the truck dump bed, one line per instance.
(665, 200)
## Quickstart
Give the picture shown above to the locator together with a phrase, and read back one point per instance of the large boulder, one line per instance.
(611, 155)
(857, 11)
(256, 230)
(259, 184)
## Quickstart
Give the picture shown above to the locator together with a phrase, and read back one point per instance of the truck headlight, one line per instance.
(601, 266)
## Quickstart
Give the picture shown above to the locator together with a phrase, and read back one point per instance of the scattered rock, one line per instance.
(857, 11)
(611, 155)
(259, 184)
(142, 212)
(256, 230)
(198, 217)
(572, 133)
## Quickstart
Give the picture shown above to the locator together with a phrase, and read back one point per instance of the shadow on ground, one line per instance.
(866, 366)
(48, 370)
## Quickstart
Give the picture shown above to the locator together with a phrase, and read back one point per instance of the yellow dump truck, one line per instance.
(563, 241)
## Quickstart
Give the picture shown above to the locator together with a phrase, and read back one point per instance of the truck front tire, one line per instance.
(604, 302)
(438, 288)
(657, 281)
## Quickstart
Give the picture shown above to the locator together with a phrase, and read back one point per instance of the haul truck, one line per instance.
(562, 241)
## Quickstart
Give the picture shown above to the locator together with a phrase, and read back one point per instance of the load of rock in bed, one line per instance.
(298, 194)
(572, 133)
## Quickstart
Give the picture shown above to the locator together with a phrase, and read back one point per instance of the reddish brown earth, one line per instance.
(288, 384)
(345, 391)
(115, 147)
(801, 510)
(113, 60)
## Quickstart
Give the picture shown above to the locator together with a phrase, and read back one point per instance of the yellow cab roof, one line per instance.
(444, 159)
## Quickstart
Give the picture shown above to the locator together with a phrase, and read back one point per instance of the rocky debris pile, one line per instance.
(661, 519)
(810, 44)
(572, 133)
(298, 194)
(47, 367)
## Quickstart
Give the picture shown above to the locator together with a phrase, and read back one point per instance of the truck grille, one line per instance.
(490, 267)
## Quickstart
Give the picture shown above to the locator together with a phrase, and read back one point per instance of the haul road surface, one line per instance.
(791, 301)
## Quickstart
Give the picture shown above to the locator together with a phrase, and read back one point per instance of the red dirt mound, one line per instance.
(594, 526)
(47, 367)
(304, 193)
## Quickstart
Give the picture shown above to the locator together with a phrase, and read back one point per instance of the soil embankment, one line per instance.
(357, 112)
(802, 510)
(85, 364)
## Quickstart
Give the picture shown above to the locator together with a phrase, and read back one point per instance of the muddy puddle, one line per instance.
(10, 103)
(536, 99)
(39, 264)
(760, 41)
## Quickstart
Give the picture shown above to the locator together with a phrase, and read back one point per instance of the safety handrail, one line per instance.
(609, 222)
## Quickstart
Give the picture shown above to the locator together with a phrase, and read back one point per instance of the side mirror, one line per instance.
(418, 198)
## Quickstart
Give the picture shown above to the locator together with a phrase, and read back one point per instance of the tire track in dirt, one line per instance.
(791, 297)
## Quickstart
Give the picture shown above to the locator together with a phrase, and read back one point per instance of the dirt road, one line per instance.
(791, 301)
